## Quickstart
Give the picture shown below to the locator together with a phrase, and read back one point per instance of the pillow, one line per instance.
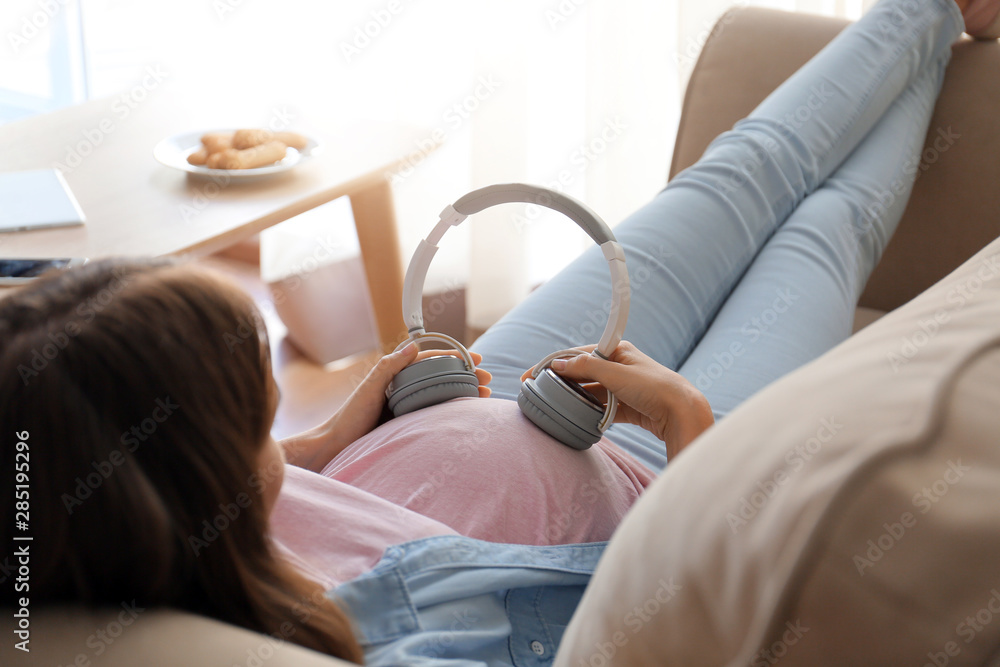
(847, 514)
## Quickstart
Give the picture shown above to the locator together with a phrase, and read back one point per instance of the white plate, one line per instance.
(174, 151)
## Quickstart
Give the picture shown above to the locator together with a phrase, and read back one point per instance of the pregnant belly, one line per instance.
(480, 467)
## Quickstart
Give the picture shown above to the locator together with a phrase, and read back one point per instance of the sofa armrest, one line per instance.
(128, 636)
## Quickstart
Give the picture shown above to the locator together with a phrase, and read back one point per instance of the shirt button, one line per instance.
(537, 648)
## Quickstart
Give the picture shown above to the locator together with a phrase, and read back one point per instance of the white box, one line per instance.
(312, 265)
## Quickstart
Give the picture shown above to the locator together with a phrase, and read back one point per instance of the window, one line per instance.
(43, 64)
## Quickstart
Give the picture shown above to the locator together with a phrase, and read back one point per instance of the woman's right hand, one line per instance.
(363, 409)
(649, 394)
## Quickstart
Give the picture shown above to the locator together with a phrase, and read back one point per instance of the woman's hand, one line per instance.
(363, 409)
(649, 395)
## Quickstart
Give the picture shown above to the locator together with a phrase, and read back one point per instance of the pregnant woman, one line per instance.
(460, 533)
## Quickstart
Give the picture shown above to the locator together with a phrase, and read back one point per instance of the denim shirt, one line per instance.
(454, 601)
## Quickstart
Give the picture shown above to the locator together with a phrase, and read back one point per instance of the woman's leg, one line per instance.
(797, 299)
(688, 247)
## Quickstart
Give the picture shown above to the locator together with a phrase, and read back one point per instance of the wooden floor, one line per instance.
(309, 392)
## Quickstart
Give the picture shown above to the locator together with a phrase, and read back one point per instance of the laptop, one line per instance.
(37, 199)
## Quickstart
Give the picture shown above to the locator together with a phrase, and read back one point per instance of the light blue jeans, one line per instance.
(750, 263)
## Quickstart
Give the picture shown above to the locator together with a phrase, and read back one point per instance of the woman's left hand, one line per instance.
(649, 395)
(363, 409)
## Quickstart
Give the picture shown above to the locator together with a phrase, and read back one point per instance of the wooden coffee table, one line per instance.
(136, 206)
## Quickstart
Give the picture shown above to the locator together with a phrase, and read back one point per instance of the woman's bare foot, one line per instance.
(982, 18)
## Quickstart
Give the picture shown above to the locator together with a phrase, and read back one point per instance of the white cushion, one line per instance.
(848, 514)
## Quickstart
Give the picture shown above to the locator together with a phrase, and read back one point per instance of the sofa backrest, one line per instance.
(955, 207)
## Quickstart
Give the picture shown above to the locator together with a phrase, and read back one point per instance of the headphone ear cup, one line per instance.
(430, 382)
(416, 399)
(560, 410)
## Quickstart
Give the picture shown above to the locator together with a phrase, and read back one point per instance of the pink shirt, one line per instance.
(333, 532)
(472, 466)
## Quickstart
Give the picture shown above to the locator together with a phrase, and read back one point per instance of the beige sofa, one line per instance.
(954, 213)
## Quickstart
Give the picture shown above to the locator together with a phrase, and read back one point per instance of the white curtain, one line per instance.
(583, 95)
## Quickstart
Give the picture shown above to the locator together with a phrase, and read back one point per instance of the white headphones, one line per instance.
(558, 406)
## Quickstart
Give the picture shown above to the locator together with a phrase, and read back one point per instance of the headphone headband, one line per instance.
(506, 193)
(483, 198)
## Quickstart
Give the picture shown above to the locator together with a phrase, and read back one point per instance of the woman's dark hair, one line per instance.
(143, 390)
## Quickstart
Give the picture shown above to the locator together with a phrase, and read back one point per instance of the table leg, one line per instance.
(375, 220)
